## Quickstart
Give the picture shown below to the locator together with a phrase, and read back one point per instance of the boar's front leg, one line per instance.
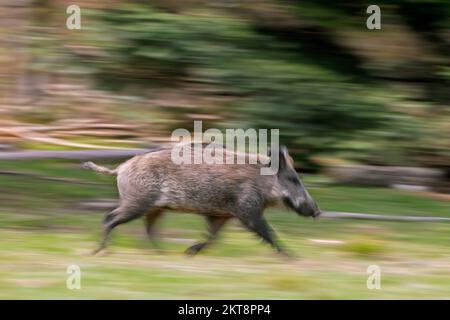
(256, 223)
(215, 223)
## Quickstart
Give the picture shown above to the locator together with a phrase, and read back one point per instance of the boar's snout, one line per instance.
(308, 208)
(304, 206)
(317, 213)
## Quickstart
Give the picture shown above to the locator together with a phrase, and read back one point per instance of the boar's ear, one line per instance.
(283, 158)
(286, 162)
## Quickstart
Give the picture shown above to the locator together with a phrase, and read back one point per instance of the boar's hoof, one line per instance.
(99, 252)
(196, 248)
(287, 254)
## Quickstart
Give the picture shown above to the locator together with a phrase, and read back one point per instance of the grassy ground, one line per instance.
(43, 231)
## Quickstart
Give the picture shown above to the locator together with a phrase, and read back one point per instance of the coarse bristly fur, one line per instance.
(152, 183)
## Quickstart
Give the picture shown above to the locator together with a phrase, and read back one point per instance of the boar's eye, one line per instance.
(294, 180)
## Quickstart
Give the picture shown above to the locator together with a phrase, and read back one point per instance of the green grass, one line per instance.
(33, 262)
(365, 247)
(43, 232)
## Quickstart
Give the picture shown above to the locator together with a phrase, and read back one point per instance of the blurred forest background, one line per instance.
(310, 68)
(362, 111)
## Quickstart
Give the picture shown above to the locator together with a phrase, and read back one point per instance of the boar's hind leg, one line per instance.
(259, 225)
(214, 225)
(150, 220)
(122, 214)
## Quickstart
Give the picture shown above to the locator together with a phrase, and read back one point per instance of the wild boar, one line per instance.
(150, 184)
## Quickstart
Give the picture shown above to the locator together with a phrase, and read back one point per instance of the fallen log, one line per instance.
(33, 136)
(74, 154)
(55, 179)
(385, 176)
(368, 216)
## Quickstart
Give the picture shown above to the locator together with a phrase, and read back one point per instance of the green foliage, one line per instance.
(322, 96)
(270, 87)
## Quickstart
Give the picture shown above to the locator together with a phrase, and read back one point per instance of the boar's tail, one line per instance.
(92, 166)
